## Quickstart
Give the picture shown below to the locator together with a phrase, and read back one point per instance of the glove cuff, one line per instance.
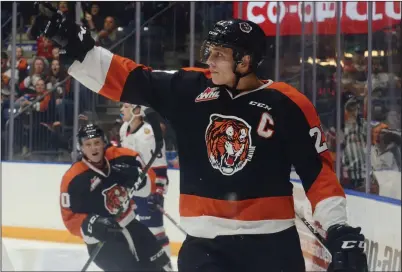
(87, 224)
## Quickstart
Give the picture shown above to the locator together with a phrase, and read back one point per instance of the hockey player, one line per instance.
(96, 206)
(238, 137)
(136, 134)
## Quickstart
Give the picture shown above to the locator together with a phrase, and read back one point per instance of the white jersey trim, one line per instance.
(92, 76)
(196, 226)
(331, 211)
(247, 92)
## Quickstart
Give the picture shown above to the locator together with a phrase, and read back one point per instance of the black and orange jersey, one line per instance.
(235, 150)
(86, 190)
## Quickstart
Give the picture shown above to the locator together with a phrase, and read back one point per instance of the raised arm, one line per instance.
(121, 79)
(110, 75)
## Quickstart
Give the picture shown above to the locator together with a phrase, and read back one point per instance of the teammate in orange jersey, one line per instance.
(238, 137)
(96, 205)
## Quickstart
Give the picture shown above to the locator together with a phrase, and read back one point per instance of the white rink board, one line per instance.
(30, 198)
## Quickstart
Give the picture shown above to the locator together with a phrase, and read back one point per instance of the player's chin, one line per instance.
(96, 157)
(217, 79)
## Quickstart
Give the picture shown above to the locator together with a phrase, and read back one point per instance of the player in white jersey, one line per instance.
(137, 134)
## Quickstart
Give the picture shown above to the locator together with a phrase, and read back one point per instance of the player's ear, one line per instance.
(245, 63)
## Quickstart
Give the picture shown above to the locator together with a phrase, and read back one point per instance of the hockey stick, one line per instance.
(162, 210)
(153, 120)
(320, 239)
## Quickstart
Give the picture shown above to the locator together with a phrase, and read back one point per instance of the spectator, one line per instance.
(38, 71)
(63, 7)
(6, 72)
(27, 99)
(63, 100)
(354, 74)
(109, 35)
(5, 77)
(55, 53)
(5, 106)
(31, 120)
(93, 20)
(381, 78)
(114, 133)
(386, 153)
(45, 47)
(4, 115)
(56, 75)
(394, 118)
(21, 64)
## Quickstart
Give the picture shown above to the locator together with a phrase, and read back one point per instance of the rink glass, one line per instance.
(348, 66)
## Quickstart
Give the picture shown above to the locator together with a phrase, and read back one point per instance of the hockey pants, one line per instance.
(116, 256)
(153, 219)
(279, 252)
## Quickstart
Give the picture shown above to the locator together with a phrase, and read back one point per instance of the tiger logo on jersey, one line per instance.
(116, 197)
(228, 140)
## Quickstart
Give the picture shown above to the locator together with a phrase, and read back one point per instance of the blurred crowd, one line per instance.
(44, 95)
(384, 106)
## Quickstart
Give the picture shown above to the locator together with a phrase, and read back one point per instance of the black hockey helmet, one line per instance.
(90, 131)
(242, 36)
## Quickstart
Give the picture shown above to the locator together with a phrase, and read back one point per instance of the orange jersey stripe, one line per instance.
(114, 152)
(116, 77)
(72, 221)
(206, 72)
(265, 208)
(326, 184)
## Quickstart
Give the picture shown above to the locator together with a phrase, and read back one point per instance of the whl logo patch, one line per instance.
(208, 94)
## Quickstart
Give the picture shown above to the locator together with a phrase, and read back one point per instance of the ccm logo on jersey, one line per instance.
(352, 244)
(260, 105)
(208, 94)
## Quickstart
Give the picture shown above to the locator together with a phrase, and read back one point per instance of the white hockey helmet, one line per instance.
(142, 110)
(133, 108)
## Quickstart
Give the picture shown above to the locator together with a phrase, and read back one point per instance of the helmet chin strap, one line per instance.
(133, 115)
(238, 76)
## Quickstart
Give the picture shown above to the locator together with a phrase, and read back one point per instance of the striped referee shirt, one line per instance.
(354, 153)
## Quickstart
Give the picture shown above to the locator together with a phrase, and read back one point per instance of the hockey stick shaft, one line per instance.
(153, 120)
(313, 231)
(162, 210)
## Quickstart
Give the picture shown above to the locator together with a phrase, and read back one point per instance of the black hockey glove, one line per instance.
(346, 245)
(155, 199)
(76, 40)
(101, 228)
(129, 175)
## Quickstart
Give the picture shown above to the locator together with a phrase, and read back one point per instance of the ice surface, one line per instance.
(45, 256)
